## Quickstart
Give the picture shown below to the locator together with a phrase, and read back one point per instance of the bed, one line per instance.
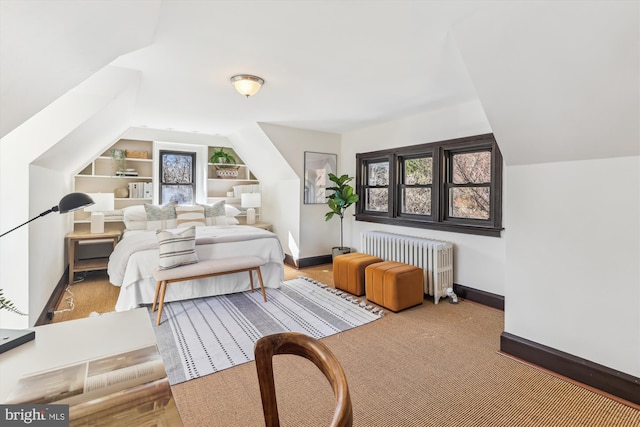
(136, 256)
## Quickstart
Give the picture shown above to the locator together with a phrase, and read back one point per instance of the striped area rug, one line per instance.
(202, 336)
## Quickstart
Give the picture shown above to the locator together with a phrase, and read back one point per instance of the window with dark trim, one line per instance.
(453, 185)
(177, 177)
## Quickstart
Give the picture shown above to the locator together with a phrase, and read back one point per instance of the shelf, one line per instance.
(128, 159)
(113, 177)
(88, 221)
(91, 264)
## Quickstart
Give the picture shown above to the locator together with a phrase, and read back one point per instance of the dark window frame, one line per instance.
(161, 182)
(439, 219)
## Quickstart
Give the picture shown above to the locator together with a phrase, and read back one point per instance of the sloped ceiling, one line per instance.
(49, 47)
(558, 80)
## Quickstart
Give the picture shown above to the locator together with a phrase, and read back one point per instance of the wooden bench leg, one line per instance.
(155, 297)
(264, 294)
(163, 288)
(251, 279)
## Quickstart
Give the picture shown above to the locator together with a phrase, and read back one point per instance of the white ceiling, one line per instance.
(328, 65)
(556, 79)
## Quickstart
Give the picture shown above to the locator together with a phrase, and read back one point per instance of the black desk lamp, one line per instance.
(10, 338)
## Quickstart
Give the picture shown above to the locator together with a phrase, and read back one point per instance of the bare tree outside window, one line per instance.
(177, 173)
(377, 193)
(471, 175)
(417, 180)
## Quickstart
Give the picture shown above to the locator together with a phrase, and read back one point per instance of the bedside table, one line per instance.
(263, 225)
(76, 265)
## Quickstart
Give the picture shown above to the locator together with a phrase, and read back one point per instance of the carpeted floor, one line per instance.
(431, 365)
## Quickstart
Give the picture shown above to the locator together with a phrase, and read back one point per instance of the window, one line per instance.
(177, 177)
(453, 185)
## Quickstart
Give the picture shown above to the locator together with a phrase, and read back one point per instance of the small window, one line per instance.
(453, 185)
(177, 177)
(376, 193)
(469, 185)
(417, 179)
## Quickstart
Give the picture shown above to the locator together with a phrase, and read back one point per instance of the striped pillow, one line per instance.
(190, 216)
(160, 217)
(177, 249)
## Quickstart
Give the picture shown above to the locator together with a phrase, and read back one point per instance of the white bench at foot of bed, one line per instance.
(203, 269)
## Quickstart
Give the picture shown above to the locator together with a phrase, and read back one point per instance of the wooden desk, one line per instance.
(66, 343)
(75, 264)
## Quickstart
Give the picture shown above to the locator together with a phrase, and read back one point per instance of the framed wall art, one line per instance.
(317, 167)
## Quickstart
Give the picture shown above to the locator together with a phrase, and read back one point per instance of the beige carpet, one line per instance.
(432, 365)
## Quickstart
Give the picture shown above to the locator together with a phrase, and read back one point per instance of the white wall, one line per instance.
(41, 135)
(317, 236)
(46, 236)
(479, 261)
(573, 251)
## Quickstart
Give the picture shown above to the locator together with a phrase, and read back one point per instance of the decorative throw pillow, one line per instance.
(177, 249)
(161, 217)
(188, 216)
(135, 217)
(231, 211)
(215, 214)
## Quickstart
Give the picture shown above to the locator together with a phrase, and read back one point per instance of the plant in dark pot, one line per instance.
(343, 196)
(225, 163)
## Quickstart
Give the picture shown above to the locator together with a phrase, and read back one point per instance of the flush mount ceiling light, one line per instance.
(246, 84)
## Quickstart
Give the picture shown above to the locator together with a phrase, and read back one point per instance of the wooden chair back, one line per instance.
(318, 353)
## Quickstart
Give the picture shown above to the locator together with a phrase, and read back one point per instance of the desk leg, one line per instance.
(72, 260)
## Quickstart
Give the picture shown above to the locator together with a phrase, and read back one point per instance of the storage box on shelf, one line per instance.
(105, 174)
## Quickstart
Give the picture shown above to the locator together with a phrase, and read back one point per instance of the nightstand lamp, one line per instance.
(250, 201)
(103, 202)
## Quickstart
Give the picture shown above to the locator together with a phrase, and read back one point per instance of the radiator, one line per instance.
(435, 257)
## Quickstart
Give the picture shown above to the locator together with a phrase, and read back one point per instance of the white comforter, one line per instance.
(135, 258)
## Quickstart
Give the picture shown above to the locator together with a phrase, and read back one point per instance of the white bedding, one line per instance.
(135, 258)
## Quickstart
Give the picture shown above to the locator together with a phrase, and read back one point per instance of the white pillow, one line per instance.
(135, 217)
(176, 249)
(231, 211)
(232, 221)
(161, 217)
(188, 216)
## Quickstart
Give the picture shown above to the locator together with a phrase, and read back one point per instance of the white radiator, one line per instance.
(435, 257)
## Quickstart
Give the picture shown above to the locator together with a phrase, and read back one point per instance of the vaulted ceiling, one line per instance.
(547, 73)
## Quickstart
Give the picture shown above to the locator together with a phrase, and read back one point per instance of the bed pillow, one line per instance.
(176, 249)
(161, 217)
(188, 216)
(232, 221)
(215, 214)
(134, 217)
(231, 211)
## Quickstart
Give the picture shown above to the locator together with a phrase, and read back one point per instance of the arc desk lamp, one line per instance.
(11, 338)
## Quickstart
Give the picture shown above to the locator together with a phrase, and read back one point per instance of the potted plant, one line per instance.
(343, 196)
(225, 163)
(6, 304)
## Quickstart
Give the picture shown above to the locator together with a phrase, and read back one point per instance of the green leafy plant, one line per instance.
(343, 196)
(221, 156)
(6, 304)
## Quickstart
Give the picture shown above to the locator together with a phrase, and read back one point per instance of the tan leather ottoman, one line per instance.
(348, 271)
(394, 285)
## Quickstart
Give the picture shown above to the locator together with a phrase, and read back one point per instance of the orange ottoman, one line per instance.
(394, 285)
(348, 271)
